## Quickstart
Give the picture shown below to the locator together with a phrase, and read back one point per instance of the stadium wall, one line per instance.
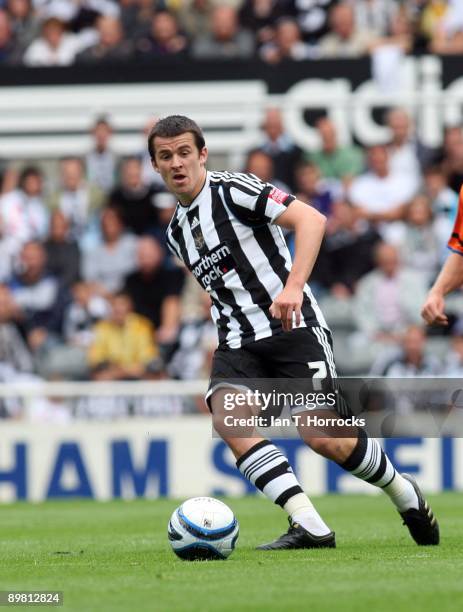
(177, 457)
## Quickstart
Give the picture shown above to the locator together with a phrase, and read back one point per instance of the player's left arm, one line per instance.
(309, 227)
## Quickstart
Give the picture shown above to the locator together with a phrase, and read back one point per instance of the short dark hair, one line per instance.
(172, 126)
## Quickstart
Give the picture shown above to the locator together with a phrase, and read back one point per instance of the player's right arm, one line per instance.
(450, 277)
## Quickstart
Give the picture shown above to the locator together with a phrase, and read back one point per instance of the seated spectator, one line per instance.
(148, 175)
(23, 213)
(379, 194)
(312, 17)
(85, 310)
(39, 297)
(453, 361)
(260, 16)
(339, 163)
(111, 46)
(7, 253)
(374, 16)
(287, 44)
(77, 200)
(261, 164)
(403, 149)
(444, 204)
(14, 353)
(448, 35)
(417, 239)
(279, 145)
(108, 264)
(124, 347)
(7, 42)
(136, 16)
(453, 157)
(63, 254)
(388, 299)
(24, 24)
(156, 291)
(410, 360)
(101, 162)
(164, 38)
(225, 40)
(347, 251)
(136, 201)
(56, 46)
(344, 40)
(311, 189)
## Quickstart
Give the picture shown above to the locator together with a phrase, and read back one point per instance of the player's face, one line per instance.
(181, 165)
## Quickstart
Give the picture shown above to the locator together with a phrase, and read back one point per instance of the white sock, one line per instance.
(402, 493)
(302, 511)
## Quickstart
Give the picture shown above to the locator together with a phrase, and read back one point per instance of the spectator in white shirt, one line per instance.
(23, 214)
(56, 46)
(403, 156)
(379, 194)
(101, 161)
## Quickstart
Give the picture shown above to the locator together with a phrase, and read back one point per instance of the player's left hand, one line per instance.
(289, 301)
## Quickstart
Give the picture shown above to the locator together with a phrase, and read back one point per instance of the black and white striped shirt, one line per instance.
(227, 239)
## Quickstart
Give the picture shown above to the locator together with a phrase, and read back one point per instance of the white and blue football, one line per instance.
(203, 528)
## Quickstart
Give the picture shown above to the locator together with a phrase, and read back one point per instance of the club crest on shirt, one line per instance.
(197, 234)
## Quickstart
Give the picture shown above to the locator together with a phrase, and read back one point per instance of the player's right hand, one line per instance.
(433, 310)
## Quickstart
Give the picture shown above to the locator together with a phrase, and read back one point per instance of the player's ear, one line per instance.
(203, 156)
(153, 163)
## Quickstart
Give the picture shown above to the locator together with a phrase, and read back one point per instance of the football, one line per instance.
(202, 529)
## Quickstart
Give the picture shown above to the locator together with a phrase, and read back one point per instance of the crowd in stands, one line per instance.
(64, 32)
(88, 289)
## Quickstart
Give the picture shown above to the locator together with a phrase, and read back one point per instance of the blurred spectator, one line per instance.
(24, 24)
(374, 16)
(453, 361)
(39, 297)
(403, 148)
(287, 43)
(225, 40)
(101, 161)
(23, 215)
(453, 157)
(334, 161)
(124, 347)
(77, 199)
(380, 194)
(194, 16)
(347, 252)
(448, 35)
(409, 361)
(63, 254)
(311, 189)
(417, 239)
(14, 353)
(279, 145)
(148, 174)
(164, 37)
(56, 46)
(7, 45)
(193, 351)
(136, 16)
(108, 264)
(312, 17)
(85, 310)
(156, 291)
(344, 39)
(444, 204)
(7, 253)
(388, 298)
(260, 16)
(111, 45)
(261, 164)
(136, 201)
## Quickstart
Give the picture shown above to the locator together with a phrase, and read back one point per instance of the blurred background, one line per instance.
(105, 342)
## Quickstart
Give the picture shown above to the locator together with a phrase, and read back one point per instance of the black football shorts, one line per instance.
(304, 354)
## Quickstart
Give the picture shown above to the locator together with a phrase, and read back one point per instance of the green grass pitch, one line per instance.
(115, 556)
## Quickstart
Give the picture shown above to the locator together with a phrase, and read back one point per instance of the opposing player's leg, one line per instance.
(269, 471)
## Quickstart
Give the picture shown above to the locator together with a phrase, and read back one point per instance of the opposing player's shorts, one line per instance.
(305, 353)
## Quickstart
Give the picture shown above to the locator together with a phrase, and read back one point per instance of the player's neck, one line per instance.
(186, 199)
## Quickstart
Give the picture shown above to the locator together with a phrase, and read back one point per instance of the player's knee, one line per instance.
(324, 446)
